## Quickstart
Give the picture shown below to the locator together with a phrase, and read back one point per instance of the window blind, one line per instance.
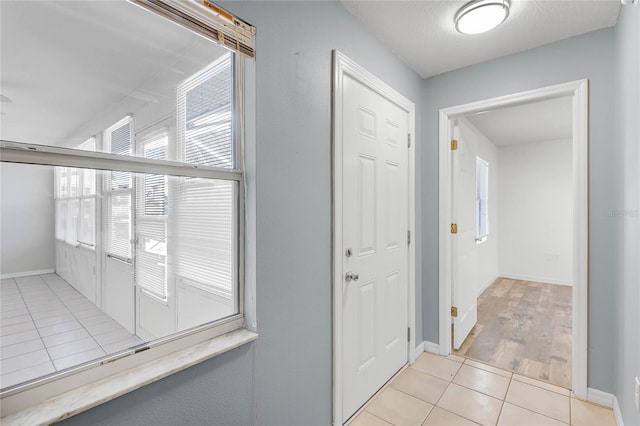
(205, 111)
(151, 223)
(203, 217)
(121, 143)
(71, 228)
(155, 186)
(61, 218)
(151, 268)
(118, 225)
(87, 233)
(209, 20)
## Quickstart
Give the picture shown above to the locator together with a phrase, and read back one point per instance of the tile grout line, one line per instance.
(35, 325)
(72, 314)
(445, 391)
(91, 334)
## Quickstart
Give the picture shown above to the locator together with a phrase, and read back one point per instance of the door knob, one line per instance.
(351, 276)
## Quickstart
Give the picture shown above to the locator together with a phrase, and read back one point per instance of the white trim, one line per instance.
(579, 91)
(617, 413)
(606, 399)
(342, 66)
(417, 351)
(431, 347)
(599, 397)
(487, 284)
(546, 280)
(26, 273)
(92, 394)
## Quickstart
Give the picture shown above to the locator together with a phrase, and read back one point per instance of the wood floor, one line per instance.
(524, 327)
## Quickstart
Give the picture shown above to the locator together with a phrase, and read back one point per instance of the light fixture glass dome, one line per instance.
(480, 16)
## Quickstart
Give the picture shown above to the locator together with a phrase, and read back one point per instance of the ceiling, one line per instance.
(533, 122)
(423, 35)
(71, 69)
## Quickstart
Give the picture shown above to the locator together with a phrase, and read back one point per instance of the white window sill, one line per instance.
(99, 392)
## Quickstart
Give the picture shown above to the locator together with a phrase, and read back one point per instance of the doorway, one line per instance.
(373, 257)
(450, 269)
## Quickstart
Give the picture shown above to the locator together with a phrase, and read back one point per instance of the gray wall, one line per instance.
(27, 216)
(587, 56)
(219, 391)
(293, 356)
(294, 43)
(627, 213)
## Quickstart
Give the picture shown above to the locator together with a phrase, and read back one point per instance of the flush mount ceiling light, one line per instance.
(480, 16)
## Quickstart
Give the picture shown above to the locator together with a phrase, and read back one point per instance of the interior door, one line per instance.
(118, 204)
(375, 226)
(154, 295)
(464, 241)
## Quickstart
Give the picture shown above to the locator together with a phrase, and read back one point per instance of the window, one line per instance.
(205, 109)
(482, 200)
(75, 198)
(149, 211)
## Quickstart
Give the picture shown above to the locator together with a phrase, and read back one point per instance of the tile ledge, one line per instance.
(96, 393)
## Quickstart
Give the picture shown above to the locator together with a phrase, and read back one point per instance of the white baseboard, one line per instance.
(546, 280)
(617, 413)
(417, 351)
(26, 273)
(601, 398)
(487, 284)
(434, 348)
(607, 400)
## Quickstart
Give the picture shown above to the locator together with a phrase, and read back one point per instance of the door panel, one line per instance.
(464, 242)
(119, 294)
(375, 224)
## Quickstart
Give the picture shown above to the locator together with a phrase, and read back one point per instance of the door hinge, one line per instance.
(408, 140)
(454, 228)
(454, 311)
(408, 237)
(454, 144)
(409, 334)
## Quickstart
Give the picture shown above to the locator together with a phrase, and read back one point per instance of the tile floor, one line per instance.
(453, 390)
(47, 326)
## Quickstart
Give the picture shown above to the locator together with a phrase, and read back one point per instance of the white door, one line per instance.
(118, 206)
(464, 241)
(154, 298)
(375, 226)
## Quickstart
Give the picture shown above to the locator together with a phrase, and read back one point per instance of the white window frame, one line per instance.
(482, 201)
(61, 395)
(80, 197)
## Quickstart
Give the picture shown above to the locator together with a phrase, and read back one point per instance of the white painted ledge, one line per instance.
(94, 394)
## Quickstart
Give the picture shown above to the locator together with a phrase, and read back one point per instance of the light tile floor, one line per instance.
(453, 390)
(46, 326)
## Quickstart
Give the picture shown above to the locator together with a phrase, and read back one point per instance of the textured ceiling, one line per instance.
(423, 35)
(534, 122)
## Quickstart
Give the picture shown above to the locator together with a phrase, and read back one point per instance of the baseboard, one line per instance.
(546, 280)
(26, 273)
(487, 284)
(617, 414)
(417, 351)
(434, 348)
(601, 398)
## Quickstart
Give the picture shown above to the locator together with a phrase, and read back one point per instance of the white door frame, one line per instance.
(579, 90)
(342, 66)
